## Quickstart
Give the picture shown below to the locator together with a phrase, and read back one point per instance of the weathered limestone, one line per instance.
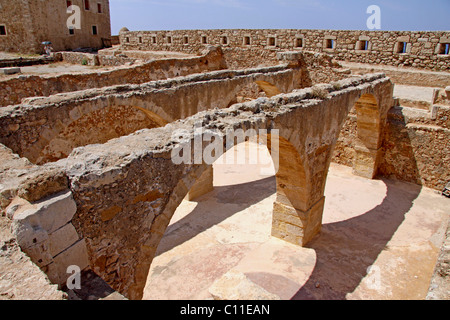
(111, 112)
(204, 185)
(44, 231)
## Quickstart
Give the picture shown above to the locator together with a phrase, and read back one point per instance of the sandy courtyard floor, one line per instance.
(380, 240)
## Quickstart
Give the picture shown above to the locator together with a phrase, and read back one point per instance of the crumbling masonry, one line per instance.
(88, 180)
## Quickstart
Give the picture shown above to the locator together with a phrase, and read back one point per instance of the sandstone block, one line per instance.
(42, 184)
(62, 239)
(28, 235)
(203, 185)
(9, 71)
(297, 226)
(366, 162)
(76, 255)
(51, 214)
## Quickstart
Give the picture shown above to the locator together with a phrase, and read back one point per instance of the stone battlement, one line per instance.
(421, 49)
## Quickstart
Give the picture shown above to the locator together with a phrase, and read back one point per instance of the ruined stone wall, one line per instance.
(30, 22)
(47, 129)
(12, 91)
(87, 59)
(254, 47)
(415, 145)
(125, 198)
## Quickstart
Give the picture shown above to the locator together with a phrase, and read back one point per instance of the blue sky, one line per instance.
(277, 14)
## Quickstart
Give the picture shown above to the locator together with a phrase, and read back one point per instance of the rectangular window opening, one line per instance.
(127, 40)
(224, 40)
(99, 8)
(204, 40)
(153, 39)
(330, 44)
(186, 40)
(363, 45)
(299, 43)
(94, 30)
(86, 5)
(140, 39)
(401, 47)
(69, 3)
(169, 40)
(444, 48)
(247, 41)
(71, 31)
(2, 30)
(272, 41)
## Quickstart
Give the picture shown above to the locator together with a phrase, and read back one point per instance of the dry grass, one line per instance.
(318, 92)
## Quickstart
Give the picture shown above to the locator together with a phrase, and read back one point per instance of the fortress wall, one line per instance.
(421, 49)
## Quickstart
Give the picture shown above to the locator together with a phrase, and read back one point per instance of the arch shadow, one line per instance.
(195, 222)
(348, 248)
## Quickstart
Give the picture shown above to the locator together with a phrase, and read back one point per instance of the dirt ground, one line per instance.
(380, 240)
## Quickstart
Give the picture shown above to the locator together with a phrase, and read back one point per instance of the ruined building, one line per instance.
(86, 174)
(25, 24)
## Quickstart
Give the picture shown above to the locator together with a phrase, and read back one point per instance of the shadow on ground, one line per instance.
(232, 198)
(346, 249)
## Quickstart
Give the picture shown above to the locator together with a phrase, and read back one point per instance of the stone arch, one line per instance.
(295, 218)
(307, 136)
(194, 175)
(159, 226)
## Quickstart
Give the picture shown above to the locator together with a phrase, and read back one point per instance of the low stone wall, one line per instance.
(87, 59)
(12, 91)
(421, 49)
